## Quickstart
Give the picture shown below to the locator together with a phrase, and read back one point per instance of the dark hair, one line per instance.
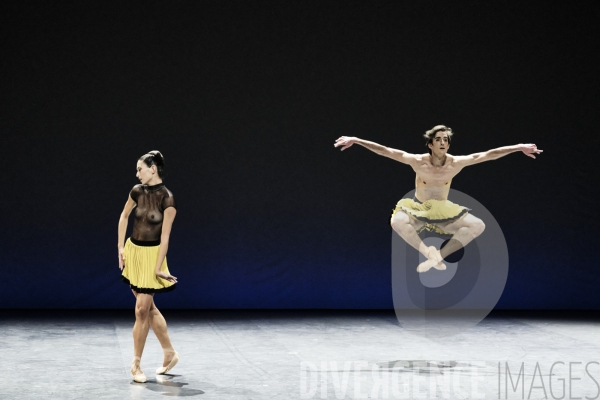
(430, 134)
(154, 157)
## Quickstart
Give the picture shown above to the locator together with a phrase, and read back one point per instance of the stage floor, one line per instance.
(299, 354)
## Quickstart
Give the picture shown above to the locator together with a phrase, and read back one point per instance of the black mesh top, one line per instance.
(151, 202)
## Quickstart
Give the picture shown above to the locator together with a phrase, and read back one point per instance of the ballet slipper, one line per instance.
(434, 260)
(140, 378)
(426, 265)
(440, 266)
(435, 254)
(174, 361)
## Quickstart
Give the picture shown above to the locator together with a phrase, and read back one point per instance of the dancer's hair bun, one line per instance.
(154, 157)
(158, 158)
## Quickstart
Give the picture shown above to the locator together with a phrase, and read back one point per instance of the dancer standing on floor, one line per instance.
(143, 257)
(431, 209)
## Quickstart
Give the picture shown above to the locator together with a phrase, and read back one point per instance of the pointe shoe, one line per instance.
(135, 365)
(174, 361)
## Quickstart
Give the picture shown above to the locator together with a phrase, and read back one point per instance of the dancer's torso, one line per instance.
(151, 203)
(434, 182)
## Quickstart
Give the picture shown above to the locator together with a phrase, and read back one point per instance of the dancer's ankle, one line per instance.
(434, 254)
(135, 365)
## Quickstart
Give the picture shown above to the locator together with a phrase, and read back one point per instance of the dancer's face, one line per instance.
(439, 145)
(144, 173)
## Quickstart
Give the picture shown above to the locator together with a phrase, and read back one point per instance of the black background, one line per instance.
(245, 100)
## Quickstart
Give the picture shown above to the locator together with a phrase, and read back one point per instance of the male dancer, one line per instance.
(431, 209)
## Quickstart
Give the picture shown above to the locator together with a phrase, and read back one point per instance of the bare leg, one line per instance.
(140, 328)
(465, 230)
(159, 326)
(407, 227)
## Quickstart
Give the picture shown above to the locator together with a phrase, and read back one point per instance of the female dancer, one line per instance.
(143, 257)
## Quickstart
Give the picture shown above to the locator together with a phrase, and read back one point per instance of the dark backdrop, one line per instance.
(245, 100)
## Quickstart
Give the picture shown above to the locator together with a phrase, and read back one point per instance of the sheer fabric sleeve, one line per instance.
(168, 201)
(135, 192)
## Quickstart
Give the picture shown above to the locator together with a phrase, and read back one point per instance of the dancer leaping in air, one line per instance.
(430, 209)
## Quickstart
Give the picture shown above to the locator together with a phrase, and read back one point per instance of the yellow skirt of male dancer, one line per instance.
(431, 212)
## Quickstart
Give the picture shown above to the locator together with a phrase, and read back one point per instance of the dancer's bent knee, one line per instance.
(478, 227)
(401, 221)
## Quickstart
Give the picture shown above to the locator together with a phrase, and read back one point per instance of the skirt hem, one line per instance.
(435, 221)
(148, 290)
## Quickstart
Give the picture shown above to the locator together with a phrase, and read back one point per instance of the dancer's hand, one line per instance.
(121, 258)
(530, 149)
(345, 142)
(166, 276)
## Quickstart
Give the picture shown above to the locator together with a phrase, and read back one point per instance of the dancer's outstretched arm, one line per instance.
(475, 158)
(394, 154)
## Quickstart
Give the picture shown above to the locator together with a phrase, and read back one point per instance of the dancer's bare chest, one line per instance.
(431, 175)
(433, 182)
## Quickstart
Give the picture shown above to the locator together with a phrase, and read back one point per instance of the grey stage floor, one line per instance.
(299, 354)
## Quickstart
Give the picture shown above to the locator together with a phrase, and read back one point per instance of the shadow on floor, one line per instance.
(164, 384)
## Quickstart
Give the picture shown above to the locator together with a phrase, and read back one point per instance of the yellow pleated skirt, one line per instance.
(431, 212)
(138, 273)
